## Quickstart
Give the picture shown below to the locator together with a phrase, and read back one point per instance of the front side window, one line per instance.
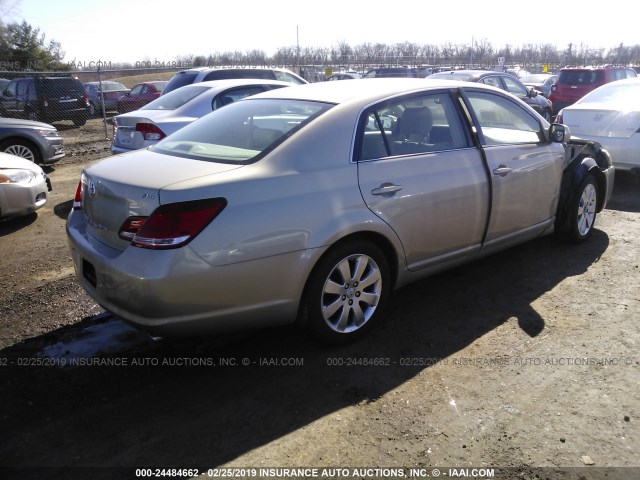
(242, 132)
(502, 121)
(412, 125)
(136, 90)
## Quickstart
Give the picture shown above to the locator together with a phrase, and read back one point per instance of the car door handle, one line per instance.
(385, 189)
(502, 171)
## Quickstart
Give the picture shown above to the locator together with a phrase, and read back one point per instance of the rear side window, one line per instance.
(61, 86)
(412, 125)
(180, 79)
(581, 77)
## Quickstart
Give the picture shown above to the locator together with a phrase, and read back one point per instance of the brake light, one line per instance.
(172, 225)
(77, 200)
(150, 131)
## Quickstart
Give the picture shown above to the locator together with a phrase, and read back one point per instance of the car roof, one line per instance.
(363, 90)
(236, 82)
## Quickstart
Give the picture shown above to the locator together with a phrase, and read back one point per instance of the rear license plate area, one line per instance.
(89, 272)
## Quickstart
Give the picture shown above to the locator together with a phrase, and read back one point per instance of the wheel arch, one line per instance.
(40, 155)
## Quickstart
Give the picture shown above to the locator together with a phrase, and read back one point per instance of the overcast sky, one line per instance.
(133, 30)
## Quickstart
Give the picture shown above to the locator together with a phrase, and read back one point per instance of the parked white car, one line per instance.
(610, 115)
(24, 186)
(169, 113)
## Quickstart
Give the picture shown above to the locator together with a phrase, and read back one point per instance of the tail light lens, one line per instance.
(150, 131)
(77, 200)
(172, 225)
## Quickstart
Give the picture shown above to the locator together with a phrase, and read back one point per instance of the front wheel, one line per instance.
(346, 292)
(21, 148)
(581, 213)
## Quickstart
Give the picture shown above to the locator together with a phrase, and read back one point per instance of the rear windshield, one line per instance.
(581, 77)
(620, 93)
(180, 79)
(238, 73)
(175, 99)
(61, 86)
(242, 132)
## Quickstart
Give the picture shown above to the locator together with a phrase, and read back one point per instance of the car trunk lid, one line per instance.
(131, 185)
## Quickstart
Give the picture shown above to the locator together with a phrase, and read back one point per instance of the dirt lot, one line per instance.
(528, 359)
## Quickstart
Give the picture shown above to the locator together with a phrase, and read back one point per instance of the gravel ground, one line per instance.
(528, 359)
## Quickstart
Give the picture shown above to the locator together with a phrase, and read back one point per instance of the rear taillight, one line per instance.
(150, 131)
(172, 225)
(85, 99)
(77, 200)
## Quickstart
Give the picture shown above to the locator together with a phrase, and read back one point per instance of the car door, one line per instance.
(418, 171)
(525, 168)
(8, 99)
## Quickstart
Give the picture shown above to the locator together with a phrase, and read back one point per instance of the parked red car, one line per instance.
(575, 83)
(140, 95)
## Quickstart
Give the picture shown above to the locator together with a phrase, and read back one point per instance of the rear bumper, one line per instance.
(175, 292)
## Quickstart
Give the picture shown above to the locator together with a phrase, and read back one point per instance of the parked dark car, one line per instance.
(206, 74)
(45, 99)
(33, 141)
(106, 95)
(575, 83)
(504, 81)
(140, 95)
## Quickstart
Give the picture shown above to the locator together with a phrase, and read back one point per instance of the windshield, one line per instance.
(241, 132)
(112, 86)
(175, 99)
(464, 77)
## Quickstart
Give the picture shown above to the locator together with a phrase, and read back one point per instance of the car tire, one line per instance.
(93, 110)
(21, 148)
(346, 292)
(580, 217)
(79, 121)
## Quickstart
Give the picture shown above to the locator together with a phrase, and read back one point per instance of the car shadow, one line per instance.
(11, 225)
(626, 192)
(62, 209)
(202, 402)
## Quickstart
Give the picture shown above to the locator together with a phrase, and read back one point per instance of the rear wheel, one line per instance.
(581, 213)
(21, 148)
(79, 121)
(346, 292)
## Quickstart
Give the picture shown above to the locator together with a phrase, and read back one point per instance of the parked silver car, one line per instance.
(313, 202)
(24, 186)
(35, 141)
(169, 113)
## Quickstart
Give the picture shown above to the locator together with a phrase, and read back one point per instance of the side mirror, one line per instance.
(559, 133)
